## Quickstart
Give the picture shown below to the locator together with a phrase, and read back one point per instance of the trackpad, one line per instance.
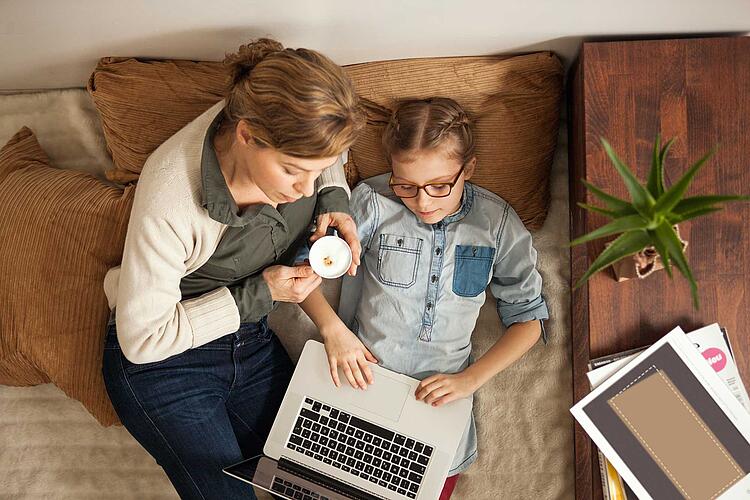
(385, 397)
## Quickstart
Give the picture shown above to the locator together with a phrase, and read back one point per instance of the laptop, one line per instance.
(343, 443)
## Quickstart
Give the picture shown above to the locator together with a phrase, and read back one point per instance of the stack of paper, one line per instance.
(668, 423)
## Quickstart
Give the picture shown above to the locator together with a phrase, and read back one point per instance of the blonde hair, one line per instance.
(296, 101)
(418, 124)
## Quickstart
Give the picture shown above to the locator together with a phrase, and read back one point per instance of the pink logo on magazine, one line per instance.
(716, 358)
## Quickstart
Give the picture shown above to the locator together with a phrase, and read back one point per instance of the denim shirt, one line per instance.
(417, 295)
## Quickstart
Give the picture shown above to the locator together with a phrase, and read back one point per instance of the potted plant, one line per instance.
(647, 222)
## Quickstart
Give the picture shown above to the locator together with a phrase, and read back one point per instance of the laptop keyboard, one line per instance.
(359, 447)
(294, 490)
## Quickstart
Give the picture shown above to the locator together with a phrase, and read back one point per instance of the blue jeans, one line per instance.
(204, 409)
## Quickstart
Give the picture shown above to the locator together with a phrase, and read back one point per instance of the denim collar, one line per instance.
(467, 201)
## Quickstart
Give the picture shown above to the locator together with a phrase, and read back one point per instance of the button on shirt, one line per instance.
(257, 237)
(420, 287)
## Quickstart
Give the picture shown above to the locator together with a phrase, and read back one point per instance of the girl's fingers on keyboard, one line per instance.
(349, 375)
(333, 367)
(366, 370)
(354, 365)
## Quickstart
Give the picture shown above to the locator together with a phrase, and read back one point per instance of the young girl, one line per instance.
(431, 243)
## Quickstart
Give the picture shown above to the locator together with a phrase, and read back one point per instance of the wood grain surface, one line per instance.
(697, 90)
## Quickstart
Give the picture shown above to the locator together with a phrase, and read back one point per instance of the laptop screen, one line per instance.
(291, 480)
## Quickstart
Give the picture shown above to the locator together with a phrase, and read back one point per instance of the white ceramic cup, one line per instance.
(330, 257)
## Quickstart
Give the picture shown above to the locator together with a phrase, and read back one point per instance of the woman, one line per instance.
(221, 208)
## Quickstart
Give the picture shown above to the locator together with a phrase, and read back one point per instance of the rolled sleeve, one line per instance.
(520, 312)
(535, 309)
(516, 283)
(253, 299)
(332, 199)
(333, 191)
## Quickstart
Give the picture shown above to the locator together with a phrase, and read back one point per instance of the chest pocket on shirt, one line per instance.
(472, 270)
(398, 259)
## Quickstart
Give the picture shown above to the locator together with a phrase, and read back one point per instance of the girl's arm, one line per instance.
(344, 349)
(443, 388)
(519, 338)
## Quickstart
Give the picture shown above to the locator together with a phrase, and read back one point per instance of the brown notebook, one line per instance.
(673, 433)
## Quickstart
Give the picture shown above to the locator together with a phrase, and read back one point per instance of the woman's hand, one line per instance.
(291, 284)
(346, 227)
(347, 351)
(443, 388)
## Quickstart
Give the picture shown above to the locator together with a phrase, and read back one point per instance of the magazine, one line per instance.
(669, 424)
(713, 343)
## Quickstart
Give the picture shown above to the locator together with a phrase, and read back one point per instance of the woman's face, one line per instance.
(281, 177)
(284, 178)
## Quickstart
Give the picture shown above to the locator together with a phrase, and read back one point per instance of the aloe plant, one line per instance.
(649, 217)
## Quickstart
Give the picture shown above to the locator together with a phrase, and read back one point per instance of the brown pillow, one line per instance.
(62, 230)
(143, 103)
(516, 101)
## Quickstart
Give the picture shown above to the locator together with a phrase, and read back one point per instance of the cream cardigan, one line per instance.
(169, 236)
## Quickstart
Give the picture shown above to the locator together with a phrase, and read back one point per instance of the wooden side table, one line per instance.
(697, 90)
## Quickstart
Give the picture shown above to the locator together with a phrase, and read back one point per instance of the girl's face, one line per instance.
(436, 165)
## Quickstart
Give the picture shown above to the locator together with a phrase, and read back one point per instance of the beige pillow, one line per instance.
(516, 101)
(62, 230)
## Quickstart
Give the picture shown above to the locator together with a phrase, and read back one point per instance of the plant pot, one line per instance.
(643, 263)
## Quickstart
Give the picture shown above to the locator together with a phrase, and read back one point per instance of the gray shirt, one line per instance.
(257, 237)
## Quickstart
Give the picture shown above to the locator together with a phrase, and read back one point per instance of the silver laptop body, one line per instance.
(349, 443)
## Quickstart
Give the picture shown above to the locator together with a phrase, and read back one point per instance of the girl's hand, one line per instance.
(347, 351)
(443, 388)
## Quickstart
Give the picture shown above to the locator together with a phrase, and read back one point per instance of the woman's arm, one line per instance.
(153, 321)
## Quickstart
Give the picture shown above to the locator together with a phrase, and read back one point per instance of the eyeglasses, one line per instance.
(433, 189)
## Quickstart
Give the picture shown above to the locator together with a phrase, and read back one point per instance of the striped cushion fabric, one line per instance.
(515, 100)
(515, 103)
(143, 103)
(61, 231)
